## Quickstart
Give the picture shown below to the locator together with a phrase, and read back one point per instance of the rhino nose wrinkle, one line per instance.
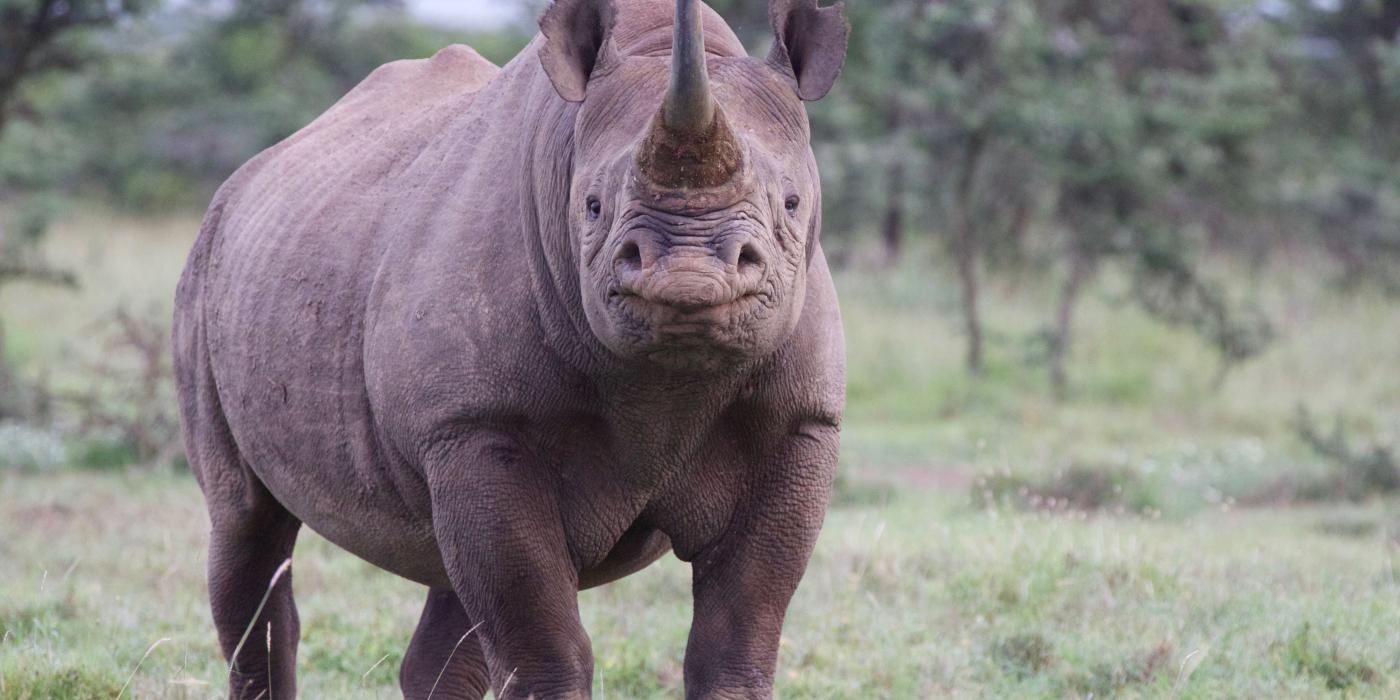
(689, 280)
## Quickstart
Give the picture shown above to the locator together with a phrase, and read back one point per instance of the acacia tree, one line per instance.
(1344, 141)
(38, 38)
(928, 117)
(1150, 120)
(985, 68)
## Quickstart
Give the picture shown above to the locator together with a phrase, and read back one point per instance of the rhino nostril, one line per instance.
(750, 257)
(630, 255)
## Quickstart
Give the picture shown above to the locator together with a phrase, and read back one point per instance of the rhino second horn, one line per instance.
(690, 144)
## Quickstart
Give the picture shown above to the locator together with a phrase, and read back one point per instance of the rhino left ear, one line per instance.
(576, 42)
(810, 43)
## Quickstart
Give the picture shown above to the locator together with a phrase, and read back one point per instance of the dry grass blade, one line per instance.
(1190, 664)
(269, 659)
(376, 665)
(506, 685)
(69, 571)
(276, 576)
(149, 649)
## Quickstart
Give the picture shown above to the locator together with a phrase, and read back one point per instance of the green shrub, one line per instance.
(108, 453)
(27, 448)
(1023, 655)
(152, 188)
(848, 493)
(1308, 655)
(58, 683)
(1080, 487)
(1108, 678)
(1357, 471)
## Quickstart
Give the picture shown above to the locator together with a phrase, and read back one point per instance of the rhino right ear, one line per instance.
(576, 42)
(809, 42)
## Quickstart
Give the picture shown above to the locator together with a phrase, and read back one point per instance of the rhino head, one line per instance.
(694, 203)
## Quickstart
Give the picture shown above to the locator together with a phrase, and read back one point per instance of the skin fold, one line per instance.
(515, 332)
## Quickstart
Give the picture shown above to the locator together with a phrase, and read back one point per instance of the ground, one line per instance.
(920, 597)
(987, 541)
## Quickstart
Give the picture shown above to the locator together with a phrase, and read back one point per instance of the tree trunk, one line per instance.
(965, 250)
(9, 394)
(892, 227)
(38, 274)
(1079, 270)
(1016, 230)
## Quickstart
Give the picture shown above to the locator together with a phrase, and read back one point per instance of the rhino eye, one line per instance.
(791, 205)
(594, 208)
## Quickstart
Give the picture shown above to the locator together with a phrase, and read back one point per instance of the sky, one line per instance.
(466, 13)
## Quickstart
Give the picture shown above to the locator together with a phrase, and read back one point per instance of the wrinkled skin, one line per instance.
(471, 327)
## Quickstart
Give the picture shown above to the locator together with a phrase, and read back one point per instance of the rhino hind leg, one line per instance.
(245, 557)
(251, 537)
(443, 660)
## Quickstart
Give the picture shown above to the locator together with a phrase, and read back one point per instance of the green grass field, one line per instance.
(988, 540)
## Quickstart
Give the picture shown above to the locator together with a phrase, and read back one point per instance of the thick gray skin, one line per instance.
(403, 327)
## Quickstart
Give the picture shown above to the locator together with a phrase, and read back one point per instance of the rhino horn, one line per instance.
(690, 145)
(688, 106)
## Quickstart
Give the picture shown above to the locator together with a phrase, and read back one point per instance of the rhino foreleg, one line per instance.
(742, 583)
(498, 524)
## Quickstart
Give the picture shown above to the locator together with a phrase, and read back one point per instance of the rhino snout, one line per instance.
(686, 276)
(686, 290)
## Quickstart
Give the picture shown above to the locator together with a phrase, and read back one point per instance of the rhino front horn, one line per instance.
(690, 145)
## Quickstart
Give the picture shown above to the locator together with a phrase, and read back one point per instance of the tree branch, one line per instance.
(15, 272)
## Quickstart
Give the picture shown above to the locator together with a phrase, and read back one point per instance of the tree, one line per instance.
(984, 66)
(187, 95)
(1149, 121)
(929, 102)
(1340, 147)
(38, 38)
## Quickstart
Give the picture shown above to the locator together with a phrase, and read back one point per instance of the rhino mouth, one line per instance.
(674, 333)
(688, 311)
(691, 318)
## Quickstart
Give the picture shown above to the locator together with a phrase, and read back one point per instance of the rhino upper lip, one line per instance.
(683, 315)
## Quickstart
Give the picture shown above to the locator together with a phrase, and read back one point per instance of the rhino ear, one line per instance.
(810, 43)
(576, 42)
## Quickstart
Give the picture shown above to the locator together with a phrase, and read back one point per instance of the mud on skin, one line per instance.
(514, 332)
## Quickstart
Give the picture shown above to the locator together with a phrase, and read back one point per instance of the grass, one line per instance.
(988, 540)
(921, 596)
